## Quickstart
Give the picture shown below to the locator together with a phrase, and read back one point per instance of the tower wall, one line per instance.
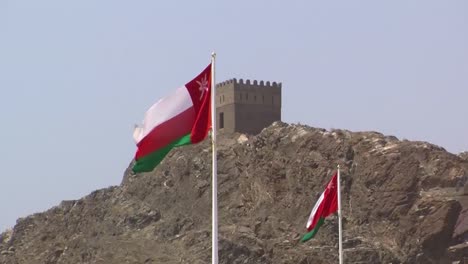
(225, 106)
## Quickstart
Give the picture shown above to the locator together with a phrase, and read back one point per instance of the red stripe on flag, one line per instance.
(167, 132)
(200, 92)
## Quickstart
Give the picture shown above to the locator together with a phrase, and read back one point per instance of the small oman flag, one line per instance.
(326, 205)
(182, 118)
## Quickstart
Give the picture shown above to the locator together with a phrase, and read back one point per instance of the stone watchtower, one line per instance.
(247, 107)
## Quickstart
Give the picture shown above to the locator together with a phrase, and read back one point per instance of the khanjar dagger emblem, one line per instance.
(203, 86)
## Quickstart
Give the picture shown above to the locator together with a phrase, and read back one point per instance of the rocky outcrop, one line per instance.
(399, 205)
(464, 155)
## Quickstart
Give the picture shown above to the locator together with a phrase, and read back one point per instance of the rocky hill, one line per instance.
(400, 205)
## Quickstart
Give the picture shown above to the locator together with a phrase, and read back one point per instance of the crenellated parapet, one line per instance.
(248, 82)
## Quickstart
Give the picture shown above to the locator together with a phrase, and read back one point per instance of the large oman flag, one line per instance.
(182, 118)
(326, 205)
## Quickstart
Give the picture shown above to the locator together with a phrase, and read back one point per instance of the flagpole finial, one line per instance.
(338, 166)
(213, 54)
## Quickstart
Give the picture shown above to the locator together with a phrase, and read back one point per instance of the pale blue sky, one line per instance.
(75, 76)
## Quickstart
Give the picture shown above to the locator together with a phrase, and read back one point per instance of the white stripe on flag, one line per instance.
(163, 110)
(314, 210)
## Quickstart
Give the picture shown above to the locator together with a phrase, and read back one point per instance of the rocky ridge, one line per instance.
(399, 205)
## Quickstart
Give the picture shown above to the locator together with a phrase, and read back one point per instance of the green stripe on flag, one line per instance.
(314, 231)
(150, 161)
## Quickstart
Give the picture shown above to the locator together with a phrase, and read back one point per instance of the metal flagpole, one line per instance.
(340, 249)
(214, 199)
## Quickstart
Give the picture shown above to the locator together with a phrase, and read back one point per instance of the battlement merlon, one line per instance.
(248, 84)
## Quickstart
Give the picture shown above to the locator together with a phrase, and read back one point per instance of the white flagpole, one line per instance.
(214, 199)
(340, 249)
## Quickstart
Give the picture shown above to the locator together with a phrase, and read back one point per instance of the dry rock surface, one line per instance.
(400, 205)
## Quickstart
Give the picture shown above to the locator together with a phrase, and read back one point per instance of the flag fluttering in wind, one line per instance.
(326, 205)
(182, 118)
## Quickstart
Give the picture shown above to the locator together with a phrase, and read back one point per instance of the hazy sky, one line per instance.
(75, 76)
